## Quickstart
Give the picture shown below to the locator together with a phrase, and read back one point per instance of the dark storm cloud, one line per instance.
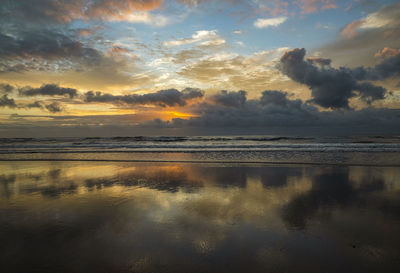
(279, 98)
(6, 88)
(271, 109)
(389, 67)
(214, 119)
(7, 102)
(370, 92)
(191, 93)
(32, 49)
(45, 90)
(234, 99)
(224, 110)
(36, 104)
(320, 61)
(39, 11)
(232, 109)
(54, 107)
(275, 109)
(168, 97)
(49, 90)
(332, 88)
(46, 45)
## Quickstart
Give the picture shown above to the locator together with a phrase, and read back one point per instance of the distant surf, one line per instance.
(363, 150)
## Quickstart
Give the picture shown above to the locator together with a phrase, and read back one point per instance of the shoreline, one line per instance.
(279, 163)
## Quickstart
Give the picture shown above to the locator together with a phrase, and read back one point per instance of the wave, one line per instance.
(153, 139)
(343, 150)
(263, 138)
(272, 162)
(204, 149)
(195, 144)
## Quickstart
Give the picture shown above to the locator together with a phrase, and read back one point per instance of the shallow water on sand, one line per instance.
(182, 217)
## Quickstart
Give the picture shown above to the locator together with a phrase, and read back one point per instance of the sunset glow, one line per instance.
(137, 61)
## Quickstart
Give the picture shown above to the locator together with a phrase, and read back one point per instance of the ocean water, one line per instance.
(68, 216)
(355, 150)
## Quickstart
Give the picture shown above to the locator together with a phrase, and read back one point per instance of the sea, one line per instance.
(353, 150)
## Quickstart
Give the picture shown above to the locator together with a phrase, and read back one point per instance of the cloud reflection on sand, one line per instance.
(154, 217)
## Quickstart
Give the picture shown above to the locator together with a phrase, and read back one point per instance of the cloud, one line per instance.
(230, 99)
(7, 102)
(82, 32)
(49, 90)
(44, 90)
(231, 71)
(232, 109)
(199, 2)
(283, 7)
(143, 17)
(313, 6)
(274, 97)
(222, 111)
(117, 10)
(168, 97)
(192, 2)
(36, 104)
(274, 109)
(387, 52)
(389, 67)
(359, 40)
(183, 56)
(42, 11)
(320, 61)
(34, 49)
(370, 92)
(54, 107)
(385, 17)
(351, 29)
(115, 49)
(378, 19)
(273, 7)
(6, 88)
(332, 88)
(271, 22)
(206, 37)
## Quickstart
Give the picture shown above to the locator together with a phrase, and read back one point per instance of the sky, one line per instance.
(154, 67)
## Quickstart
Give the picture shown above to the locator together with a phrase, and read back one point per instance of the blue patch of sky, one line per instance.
(309, 31)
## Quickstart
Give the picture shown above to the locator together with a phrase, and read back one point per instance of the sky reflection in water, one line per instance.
(142, 217)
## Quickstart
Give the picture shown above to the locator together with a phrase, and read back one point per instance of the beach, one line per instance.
(146, 216)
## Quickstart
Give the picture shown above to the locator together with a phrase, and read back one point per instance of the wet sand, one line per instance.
(193, 217)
